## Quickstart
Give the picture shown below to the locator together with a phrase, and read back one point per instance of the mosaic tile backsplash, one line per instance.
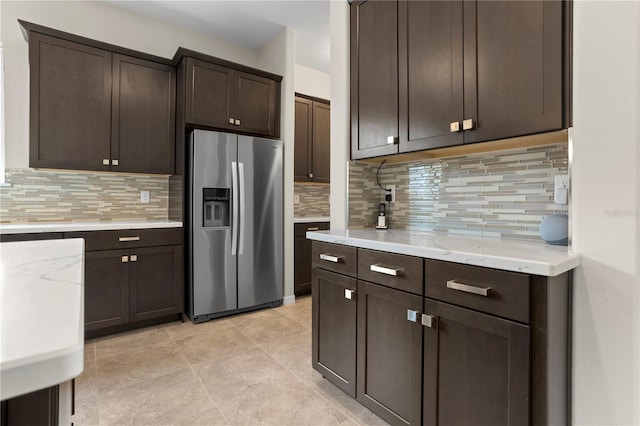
(58, 196)
(503, 194)
(314, 200)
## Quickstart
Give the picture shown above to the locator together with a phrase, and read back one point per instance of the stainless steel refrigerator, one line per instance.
(234, 224)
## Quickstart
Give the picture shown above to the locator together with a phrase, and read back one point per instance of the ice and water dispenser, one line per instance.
(216, 208)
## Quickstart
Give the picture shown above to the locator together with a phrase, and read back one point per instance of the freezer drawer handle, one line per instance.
(331, 258)
(124, 239)
(387, 271)
(454, 285)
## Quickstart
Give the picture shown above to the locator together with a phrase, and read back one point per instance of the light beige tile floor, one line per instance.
(248, 369)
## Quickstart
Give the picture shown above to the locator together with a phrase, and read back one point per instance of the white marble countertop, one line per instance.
(41, 314)
(311, 219)
(29, 228)
(529, 257)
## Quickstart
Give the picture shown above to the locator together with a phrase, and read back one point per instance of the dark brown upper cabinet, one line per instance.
(221, 97)
(312, 140)
(436, 74)
(143, 116)
(100, 107)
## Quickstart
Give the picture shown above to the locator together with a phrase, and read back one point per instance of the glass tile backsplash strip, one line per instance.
(505, 193)
(313, 200)
(60, 196)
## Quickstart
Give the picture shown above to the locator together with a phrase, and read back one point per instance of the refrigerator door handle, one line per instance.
(242, 204)
(235, 197)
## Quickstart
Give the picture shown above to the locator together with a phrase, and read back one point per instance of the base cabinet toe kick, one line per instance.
(422, 341)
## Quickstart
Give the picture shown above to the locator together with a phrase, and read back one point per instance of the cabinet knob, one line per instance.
(134, 257)
(349, 294)
(124, 259)
(114, 162)
(231, 121)
(237, 122)
(468, 124)
(311, 175)
(105, 162)
(428, 321)
(392, 140)
(454, 127)
(412, 315)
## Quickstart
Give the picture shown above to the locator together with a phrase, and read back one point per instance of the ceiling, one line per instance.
(249, 23)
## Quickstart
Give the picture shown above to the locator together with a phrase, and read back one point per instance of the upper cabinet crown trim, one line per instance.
(28, 27)
(182, 53)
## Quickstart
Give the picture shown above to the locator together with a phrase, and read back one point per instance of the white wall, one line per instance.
(92, 19)
(309, 81)
(340, 120)
(278, 57)
(605, 215)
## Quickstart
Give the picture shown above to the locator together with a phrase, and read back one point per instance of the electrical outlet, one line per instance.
(561, 189)
(392, 192)
(144, 197)
(296, 199)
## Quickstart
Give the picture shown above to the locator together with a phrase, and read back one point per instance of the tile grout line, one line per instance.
(199, 378)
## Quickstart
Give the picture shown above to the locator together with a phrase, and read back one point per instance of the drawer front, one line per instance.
(128, 238)
(501, 293)
(335, 257)
(300, 229)
(392, 270)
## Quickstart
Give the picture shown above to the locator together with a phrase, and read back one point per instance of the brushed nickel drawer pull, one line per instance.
(313, 228)
(124, 239)
(349, 294)
(387, 271)
(482, 291)
(330, 258)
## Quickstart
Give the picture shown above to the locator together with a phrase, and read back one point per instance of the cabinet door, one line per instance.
(106, 288)
(431, 77)
(70, 114)
(321, 158)
(39, 408)
(334, 328)
(255, 103)
(302, 266)
(512, 68)
(374, 78)
(389, 353)
(303, 139)
(156, 282)
(208, 95)
(143, 116)
(476, 368)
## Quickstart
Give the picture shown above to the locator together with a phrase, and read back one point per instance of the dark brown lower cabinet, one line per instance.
(334, 328)
(476, 368)
(302, 256)
(106, 289)
(389, 353)
(154, 278)
(39, 408)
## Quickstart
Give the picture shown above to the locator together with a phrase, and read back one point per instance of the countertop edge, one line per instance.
(37, 228)
(528, 266)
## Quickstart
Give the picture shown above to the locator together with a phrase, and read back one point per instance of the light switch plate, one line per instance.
(144, 197)
(296, 199)
(561, 189)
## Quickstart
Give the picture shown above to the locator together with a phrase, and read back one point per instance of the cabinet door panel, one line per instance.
(374, 78)
(512, 68)
(255, 104)
(156, 282)
(431, 77)
(321, 158)
(334, 329)
(303, 139)
(70, 114)
(143, 118)
(476, 369)
(389, 353)
(209, 89)
(106, 289)
(302, 266)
